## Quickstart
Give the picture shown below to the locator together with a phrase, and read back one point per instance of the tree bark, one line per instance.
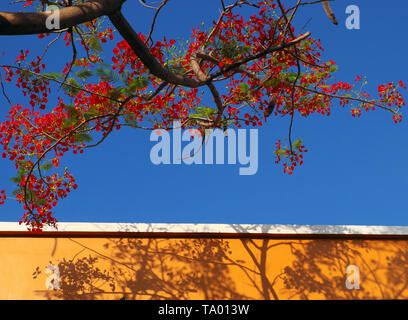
(21, 23)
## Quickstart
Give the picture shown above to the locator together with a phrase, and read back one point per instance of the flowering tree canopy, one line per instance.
(254, 68)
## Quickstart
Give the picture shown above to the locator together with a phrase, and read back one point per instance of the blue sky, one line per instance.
(354, 173)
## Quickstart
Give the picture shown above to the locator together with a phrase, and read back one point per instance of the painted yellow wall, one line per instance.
(190, 268)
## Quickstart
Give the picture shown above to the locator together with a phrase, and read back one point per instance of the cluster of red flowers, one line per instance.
(294, 157)
(35, 139)
(3, 196)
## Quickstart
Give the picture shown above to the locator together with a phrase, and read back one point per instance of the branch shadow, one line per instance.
(149, 269)
(319, 270)
(217, 268)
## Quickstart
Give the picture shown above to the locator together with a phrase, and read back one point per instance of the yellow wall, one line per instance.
(192, 268)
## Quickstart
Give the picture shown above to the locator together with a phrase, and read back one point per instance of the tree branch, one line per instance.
(143, 53)
(20, 23)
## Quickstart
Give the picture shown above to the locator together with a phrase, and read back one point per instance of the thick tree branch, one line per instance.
(20, 23)
(143, 53)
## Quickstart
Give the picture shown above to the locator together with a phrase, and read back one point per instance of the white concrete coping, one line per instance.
(272, 229)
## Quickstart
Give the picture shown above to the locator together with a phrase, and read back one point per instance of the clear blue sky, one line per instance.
(354, 173)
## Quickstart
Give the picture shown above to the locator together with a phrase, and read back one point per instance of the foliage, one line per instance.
(262, 66)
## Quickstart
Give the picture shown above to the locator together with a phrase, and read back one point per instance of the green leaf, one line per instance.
(272, 83)
(16, 179)
(54, 75)
(92, 112)
(82, 137)
(84, 74)
(95, 44)
(102, 72)
(72, 111)
(46, 166)
(280, 152)
(204, 112)
(333, 68)
(297, 143)
(69, 122)
(138, 84)
(16, 192)
(244, 87)
(73, 116)
(306, 43)
(115, 93)
(130, 121)
(290, 76)
(72, 86)
(107, 74)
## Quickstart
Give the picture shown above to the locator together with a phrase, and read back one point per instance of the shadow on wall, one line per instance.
(147, 269)
(247, 268)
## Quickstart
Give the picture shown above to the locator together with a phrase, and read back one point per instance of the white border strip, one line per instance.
(216, 228)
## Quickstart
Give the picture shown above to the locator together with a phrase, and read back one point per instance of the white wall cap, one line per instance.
(216, 228)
